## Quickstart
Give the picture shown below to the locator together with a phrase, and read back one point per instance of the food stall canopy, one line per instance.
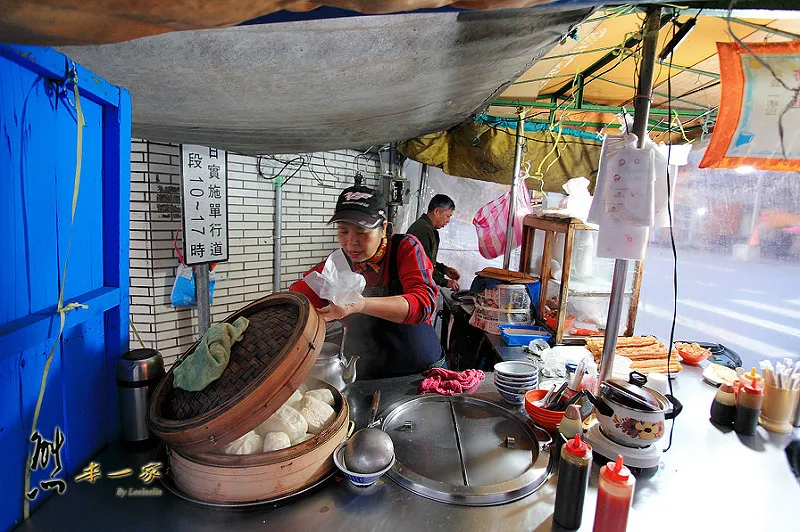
(583, 85)
(591, 76)
(480, 150)
(317, 85)
(223, 74)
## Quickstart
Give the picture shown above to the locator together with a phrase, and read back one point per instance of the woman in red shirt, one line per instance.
(390, 328)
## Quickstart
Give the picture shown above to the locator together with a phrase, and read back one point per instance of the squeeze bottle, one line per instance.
(614, 495)
(573, 479)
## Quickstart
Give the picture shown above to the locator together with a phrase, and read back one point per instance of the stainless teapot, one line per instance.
(332, 366)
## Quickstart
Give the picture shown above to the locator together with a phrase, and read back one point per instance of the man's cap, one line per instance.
(362, 206)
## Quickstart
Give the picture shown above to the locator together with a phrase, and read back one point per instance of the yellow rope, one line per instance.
(62, 309)
(559, 124)
(680, 126)
(137, 334)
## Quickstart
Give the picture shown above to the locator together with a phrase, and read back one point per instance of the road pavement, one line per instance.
(751, 307)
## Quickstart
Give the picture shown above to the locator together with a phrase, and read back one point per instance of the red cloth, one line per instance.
(415, 272)
(449, 382)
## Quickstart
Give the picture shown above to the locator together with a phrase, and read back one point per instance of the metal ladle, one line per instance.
(369, 449)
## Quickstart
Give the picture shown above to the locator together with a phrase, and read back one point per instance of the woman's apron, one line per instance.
(389, 349)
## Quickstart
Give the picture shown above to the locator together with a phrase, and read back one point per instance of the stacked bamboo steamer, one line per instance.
(271, 360)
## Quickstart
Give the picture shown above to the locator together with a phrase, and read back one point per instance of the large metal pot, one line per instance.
(632, 414)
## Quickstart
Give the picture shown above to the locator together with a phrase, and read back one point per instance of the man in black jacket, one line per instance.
(440, 209)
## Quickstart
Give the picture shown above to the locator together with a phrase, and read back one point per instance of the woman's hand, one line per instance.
(335, 312)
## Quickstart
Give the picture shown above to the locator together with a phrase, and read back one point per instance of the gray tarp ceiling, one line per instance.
(324, 84)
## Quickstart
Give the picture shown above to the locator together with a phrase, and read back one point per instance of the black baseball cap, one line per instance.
(362, 206)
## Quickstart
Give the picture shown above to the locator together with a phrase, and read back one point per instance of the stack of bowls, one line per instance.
(514, 379)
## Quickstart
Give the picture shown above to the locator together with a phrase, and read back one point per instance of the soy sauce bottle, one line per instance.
(723, 408)
(573, 479)
(748, 409)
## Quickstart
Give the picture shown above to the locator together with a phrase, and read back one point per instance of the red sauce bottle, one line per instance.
(614, 495)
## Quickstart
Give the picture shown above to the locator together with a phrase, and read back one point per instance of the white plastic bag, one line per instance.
(624, 195)
(678, 157)
(622, 242)
(578, 200)
(337, 283)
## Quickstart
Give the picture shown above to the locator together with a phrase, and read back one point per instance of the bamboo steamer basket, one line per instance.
(271, 360)
(221, 478)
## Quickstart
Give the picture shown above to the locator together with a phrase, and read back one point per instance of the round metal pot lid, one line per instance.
(466, 451)
(633, 396)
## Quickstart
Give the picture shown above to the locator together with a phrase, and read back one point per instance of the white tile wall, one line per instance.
(308, 201)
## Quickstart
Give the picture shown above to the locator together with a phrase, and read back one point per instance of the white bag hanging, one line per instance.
(624, 195)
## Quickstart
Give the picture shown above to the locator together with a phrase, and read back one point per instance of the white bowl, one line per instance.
(512, 398)
(517, 369)
(515, 382)
(358, 479)
(514, 389)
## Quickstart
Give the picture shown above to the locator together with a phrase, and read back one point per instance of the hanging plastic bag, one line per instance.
(624, 195)
(491, 221)
(183, 289)
(578, 200)
(337, 283)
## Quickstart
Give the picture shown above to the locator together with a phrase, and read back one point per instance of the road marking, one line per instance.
(751, 291)
(707, 266)
(682, 262)
(783, 311)
(743, 317)
(704, 283)
(721, 335)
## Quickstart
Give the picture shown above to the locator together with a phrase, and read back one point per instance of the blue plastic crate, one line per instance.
(532, 332)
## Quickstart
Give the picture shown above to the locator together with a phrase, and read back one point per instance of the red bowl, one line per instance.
(691, 358)
(547, 419)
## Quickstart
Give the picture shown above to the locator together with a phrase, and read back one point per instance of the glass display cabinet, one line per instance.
(575, 284)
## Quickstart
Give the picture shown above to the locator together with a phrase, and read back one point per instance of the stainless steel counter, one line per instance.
(505, 352)
(709, 479)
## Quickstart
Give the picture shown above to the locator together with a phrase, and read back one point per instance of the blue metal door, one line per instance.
(40, 207)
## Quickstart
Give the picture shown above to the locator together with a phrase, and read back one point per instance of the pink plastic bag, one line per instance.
(491, 221)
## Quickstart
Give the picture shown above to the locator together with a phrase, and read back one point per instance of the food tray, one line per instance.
(516, 335)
